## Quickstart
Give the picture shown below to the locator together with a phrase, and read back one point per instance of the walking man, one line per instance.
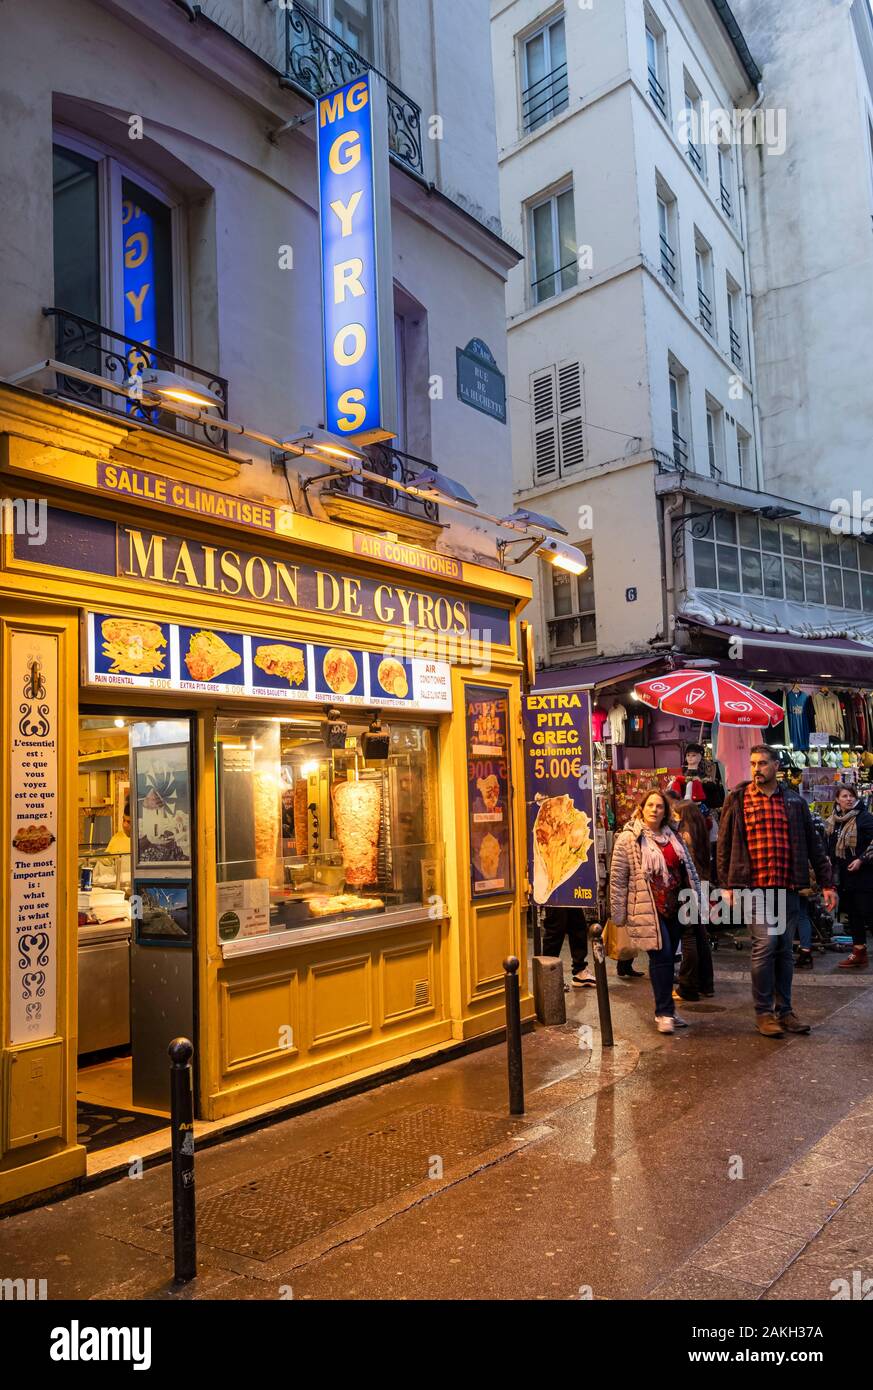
(766, 843)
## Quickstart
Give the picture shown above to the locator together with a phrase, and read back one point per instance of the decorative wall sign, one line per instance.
(33, 822)
(139, 653)
(481, 383)
(489, 790)
(562, 863)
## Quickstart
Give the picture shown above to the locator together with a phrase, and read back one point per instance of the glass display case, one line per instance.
(324, 821)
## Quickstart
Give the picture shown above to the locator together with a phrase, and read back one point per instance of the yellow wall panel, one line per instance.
(340, 1000)
(408, 982)
(257, 1012)
(492, 941)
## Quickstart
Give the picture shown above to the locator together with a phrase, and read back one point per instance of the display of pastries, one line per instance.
(357, 808)
(132, 647)
(209, 656)
(392, 678)
(340, 670)
(33, 838)
(561, 843)
(323, 905)
(278, 659)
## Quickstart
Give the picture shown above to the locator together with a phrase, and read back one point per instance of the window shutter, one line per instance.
(571, 422)
(545, 425)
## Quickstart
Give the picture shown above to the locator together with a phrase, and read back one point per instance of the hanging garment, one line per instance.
(776, 733)
(637, 731)
(617, 723)
(799, 707)
(734, 748)
(828, 714)
(848, 713)
(859, 706)
(598, 719)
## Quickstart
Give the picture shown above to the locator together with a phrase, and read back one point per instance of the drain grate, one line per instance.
(289, 1202)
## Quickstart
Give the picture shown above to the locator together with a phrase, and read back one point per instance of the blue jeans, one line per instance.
(773, 958)
(661, 966)
(804, 925)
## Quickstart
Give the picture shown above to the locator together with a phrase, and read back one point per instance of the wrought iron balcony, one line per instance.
(105, 353)
(668, 262)
(680, 450)
(657, 93)
(317, 60)
(736, 349)
(382, 459)
(727, 202)
(546, 98)
(696, 157)
(705, 307)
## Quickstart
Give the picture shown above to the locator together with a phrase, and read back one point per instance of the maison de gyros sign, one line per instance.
(356, 261)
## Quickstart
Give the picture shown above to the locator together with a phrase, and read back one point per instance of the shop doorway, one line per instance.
(136, 918)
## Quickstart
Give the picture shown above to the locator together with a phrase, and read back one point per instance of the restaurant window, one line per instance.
(555, 256)
(744, 553)
(318, 836)
(574, 622)
(113, 246)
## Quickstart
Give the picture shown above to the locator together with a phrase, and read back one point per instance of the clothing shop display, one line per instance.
(775, 733)
(798, 707)
(617, 723)
(638, 724)
(828, 714)
(734, 747)
(598, 719)
(859, 708)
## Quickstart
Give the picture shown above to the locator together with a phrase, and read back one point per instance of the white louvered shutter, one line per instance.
(545, 425)
(571, 424)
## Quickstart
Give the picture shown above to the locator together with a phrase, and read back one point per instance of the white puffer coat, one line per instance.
(631, 901)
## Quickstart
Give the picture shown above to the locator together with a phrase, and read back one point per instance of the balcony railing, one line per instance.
(705, 308)
(544, 99)
(680, 450)
(555, 282)
(657, 92)
(736, 349)
(105, 353)
(668, 262)
(387, 462)
(317, 60)
(578, 631)
(695, 156)
(727, 202)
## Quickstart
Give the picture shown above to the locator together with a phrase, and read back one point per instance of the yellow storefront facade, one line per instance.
(265, 767)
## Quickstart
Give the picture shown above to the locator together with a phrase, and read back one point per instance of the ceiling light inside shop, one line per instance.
(309, 769)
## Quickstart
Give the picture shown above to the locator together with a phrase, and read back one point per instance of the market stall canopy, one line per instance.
(786, 655)
(705, 696)
(597, 674)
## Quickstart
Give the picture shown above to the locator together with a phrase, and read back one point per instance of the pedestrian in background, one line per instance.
(850, 844)
(695, 970)
(767, 842)
(650, 869)
(570, 922)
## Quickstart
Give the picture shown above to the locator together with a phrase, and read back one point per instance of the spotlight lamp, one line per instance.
(522, 517)
(169, 386)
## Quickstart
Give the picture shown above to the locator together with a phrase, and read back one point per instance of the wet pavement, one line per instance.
(711, 1164)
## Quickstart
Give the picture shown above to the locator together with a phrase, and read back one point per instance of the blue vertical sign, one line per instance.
(357, 276)
(140, 304)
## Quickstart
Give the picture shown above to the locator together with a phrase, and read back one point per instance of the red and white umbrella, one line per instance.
(705, 696)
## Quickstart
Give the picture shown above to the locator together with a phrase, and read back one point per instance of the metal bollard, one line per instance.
(182, 1133)
(513, 1035)
(595, 933)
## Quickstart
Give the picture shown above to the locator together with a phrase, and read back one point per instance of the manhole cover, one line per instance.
(290, 1202)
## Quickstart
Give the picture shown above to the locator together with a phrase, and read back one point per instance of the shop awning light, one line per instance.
(431, 483)
(522, 517)
(777, 513)
(324, 448)
(169, 386)
(562, 556)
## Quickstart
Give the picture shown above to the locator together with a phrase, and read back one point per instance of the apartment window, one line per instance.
(703, 259)
(693, 128)
(573, 623)
(726, 181)
(735, 322)
(744, 458)
(715, 438)
(678, 383)
(668, 231)
(747, 554)
(553, 243)
(656, 58)
(558, 420)
(354, 22)
(545, 88)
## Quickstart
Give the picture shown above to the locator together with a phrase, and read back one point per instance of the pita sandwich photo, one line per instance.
(562, 842)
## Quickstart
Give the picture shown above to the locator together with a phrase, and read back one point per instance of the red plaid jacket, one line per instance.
(735, 862)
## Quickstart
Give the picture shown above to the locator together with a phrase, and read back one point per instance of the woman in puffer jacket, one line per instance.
(651, 867)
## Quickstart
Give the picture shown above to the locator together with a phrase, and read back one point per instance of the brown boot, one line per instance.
(857, 960)
(769, 1026)
(792, 1024)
